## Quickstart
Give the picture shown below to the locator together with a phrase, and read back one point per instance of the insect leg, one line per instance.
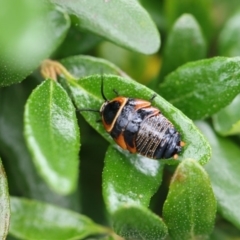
(152, 98)
(116, 92)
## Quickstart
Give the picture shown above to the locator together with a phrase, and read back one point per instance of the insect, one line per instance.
(138, 127)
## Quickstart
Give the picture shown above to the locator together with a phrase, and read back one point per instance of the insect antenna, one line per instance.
(152, 98)
(116, 92)
(103, 96)
(102, 89)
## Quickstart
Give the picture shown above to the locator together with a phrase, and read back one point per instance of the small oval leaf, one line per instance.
(132, 222)
(35, 220)
(187, 88)
(185, 43)
(223, 170)
(87, 94)
(129, 179)
(52, 135)
(4, 204)
(190, 208)
(109, 21)
(18, 161)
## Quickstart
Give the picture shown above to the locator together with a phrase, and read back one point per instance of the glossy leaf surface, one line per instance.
(4, 204)
(190, 208)
(17, 159)
(30, 32)
(185, 43)
(133, 222)
(188, 88)
(124, 22)
(223, 170)
(227, 120)
(52, 135)
(86, 94)
(35, 220)
(129, 179)
(229, 44)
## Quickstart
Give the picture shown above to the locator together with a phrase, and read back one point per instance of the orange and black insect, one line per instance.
(138, 127)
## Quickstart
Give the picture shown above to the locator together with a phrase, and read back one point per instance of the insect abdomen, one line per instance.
(157, 138)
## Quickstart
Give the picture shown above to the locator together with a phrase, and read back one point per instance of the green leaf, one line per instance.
(108, 19)
(86, 94)
(200, 9)
(129, 179)
(23, 178)
(227, 121)
(185, 43)
(35, 220)
(4, 204)
(30, 32)
(132, 222)
(229, 44)
(190, 208)
(223, 170)
(89, 66)
(188, 88)
(52, 135)
(129, 182)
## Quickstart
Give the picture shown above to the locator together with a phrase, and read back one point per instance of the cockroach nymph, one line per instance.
(138, 127)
